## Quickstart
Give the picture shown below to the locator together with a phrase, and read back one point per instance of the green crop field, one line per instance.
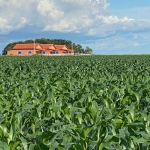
(75, 103)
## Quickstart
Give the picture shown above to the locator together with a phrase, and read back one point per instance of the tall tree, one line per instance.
(88, 50)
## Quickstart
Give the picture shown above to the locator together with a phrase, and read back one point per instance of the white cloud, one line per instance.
(87, 16)
(6, 27)
(48, 9)
(110, 25)
(115, 19)
(15, 13)
(58, 15)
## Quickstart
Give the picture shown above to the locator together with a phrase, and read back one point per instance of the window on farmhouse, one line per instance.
(29, 52)
(43, 52)
(19, 52)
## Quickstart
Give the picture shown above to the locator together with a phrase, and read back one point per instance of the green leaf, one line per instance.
(4, 146)
(47, 136)
(24, 143)
(78, 147)
(68, 145)
(103, 145)
(79, 116)
(138, 140)
(87, 131)
(14, 144)
(31, 147)
(37, 147)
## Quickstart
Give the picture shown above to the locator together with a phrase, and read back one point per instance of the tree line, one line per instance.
(76, 47)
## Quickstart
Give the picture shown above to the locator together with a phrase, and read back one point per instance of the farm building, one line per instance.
(41, 49)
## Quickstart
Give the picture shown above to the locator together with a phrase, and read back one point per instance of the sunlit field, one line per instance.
(75, 103)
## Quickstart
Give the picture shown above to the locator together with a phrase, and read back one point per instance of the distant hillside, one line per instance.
(76, 47)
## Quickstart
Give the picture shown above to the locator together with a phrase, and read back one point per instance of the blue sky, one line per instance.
(107, 26)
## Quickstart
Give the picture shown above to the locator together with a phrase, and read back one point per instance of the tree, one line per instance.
(78, 48)
(88, 50)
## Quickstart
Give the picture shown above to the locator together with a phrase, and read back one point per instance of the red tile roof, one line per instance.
(60, 46)
(25, 46)
(46, 46)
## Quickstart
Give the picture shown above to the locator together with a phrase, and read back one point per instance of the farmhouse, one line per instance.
(41, 49)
